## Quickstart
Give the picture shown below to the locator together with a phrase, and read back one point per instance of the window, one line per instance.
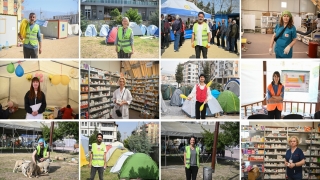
(91, 123)
(107, 124)
(90, 132)
(85, 123)
(106, 132)
(82, 132)
(85, 131)
(87, 13)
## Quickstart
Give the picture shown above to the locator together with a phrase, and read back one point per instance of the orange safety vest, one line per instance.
(272, 106)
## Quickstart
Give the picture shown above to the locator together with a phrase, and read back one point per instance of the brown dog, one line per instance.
(33, 168)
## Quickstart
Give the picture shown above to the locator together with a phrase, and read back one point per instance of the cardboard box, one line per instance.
(266, 14)
(253, 173)
(269, 31)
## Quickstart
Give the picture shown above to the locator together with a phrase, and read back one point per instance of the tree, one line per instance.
(216, 86)
(118, 136)
(212, 10)
(154, 18)
(134, 16)
(231, 131)
(179, 74)
(93, 137)
(126, 143)
(207, 8)
(84, 23)
(70, 128)
(200, 5)
(206, 71)
(139, 142)
(57, 133)
(115, 13)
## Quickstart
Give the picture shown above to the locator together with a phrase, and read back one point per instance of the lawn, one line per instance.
(85, 174)
(95, 47)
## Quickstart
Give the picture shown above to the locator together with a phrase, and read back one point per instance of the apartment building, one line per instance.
(108, 129)
(12, 7)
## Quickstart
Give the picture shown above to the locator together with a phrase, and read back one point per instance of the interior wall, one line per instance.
(282, 123)
(257, 7)
(74, 94)
(105, 65)
(4, 90)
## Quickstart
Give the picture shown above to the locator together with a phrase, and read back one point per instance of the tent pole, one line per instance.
(12, 63)
(68, 92)
(64, 64)
(4, 77)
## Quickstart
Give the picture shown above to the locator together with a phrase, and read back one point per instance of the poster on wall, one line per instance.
(295, 81)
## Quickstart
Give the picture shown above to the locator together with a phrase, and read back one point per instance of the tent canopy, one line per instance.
(115, 156)
(91, 31)
(116, 168)
(213, 107)
(180, 129)
(182, 8)
(135, 29)
(104, 30)
(15, 88)
(176, 99)
(28, 125)
(229, 101)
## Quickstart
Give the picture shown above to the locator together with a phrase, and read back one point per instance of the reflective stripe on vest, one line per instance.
(31, 36)
(201, 95)
(44, 150)
(188, 156)
(124, 42)
(204, 34)
(97, 156)
(272, 106)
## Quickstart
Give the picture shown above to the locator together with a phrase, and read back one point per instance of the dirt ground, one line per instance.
(224, 170)
(59, 170)
(175, 112)
(95, 47)
(59, 48)
(186, 51)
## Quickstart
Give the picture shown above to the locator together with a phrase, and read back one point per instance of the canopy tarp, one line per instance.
(182, 8)
(28, 125)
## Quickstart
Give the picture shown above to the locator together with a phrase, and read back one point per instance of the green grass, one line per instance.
(85, 174)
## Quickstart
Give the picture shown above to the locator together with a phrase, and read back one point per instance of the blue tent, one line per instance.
(91, 31)
(143, 29)
(157, 33)
(215, 93)
(104, 30)
(182, 8)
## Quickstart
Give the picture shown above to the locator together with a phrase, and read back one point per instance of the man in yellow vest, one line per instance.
(30, 44)
(201, 37)
(98, 158)
(124, 40)
(42, 152)
(191, 159)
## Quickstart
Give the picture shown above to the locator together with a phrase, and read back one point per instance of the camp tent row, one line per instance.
(14, 88)
(123, 162)
(106, 31)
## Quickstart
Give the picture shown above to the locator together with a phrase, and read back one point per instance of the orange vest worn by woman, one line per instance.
(272, 106)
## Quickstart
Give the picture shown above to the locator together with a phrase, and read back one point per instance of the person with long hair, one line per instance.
(275, 95)
(192, 159)
(122, 99)
(294, 159)
(284, 36)
(35, 100)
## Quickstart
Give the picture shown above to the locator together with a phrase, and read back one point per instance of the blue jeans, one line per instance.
(223, 42)
(228, 43)
(176, 41)
(233, 41)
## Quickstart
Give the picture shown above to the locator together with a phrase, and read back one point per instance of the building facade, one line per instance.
(72, 19)
(152, 130)
(108, 129)
(190, 72)
(12, 7)
(100, 9)
(225, 70)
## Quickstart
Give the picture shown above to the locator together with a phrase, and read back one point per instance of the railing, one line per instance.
(251, 104)
(124, 2)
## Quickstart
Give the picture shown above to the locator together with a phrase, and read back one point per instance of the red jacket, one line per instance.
(67, 113)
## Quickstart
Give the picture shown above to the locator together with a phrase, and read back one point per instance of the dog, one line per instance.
(24, 168)
(44, 167)
(32, 168)
(17, 166)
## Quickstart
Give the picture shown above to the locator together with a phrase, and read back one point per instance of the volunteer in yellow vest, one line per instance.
(191, 159)
(124, 40)
(201, 37)
(98, 158)
(42, 152)
(33, 37)
(275, 94)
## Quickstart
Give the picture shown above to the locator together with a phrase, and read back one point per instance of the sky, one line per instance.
(169, 66)
(128, 127)
(50, 7)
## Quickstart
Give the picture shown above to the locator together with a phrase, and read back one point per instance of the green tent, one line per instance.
(229, 102)
(186, 90)
(167, 91)
(139, 165)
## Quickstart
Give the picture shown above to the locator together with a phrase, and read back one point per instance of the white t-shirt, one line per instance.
(99, 147)
(199, 33)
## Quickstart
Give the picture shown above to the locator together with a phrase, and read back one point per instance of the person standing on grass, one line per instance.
(32, 40)
(192, 159)
(200, 39)
(98, 158)
(124, 40)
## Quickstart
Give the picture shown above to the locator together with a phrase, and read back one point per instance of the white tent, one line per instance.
(117, 167)
(69, 29)
(75, 28)
(117, 144)
(212, 108)
(143, 29)
(135, 28)
(110, 152)
(104, 30)
(91, 31)
(85, 144)
(151, 30)
(164, 108)
(15, 88)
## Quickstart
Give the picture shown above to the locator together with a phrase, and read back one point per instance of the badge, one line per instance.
(286, 35)
(290, 161)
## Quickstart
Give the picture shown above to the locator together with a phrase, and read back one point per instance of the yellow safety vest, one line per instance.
(188, 155)
(204, 34)
(97, 156)
(44, 150)
(31, 35)
(124, 42)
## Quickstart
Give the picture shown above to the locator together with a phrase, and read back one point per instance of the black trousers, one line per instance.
(200, 49)
(94, 171)
(275, 114)
(122, 54)
(191, 173)
(213, 35)
(30, 53)
(4, 114)
(181, 39)
(236, 45)
(162, 40)
(223, 42)
(218, 40)
(199, 113)
(166, 40)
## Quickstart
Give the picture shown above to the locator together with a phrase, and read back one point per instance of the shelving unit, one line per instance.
(266, 147)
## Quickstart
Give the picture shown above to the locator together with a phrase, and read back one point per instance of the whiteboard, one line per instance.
(248, 21)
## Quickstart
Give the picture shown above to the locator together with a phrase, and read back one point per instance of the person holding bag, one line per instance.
(285, 37)
(122, 99)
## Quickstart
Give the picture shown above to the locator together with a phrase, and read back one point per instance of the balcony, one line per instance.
(122, 2)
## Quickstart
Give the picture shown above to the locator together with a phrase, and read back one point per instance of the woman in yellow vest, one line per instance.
(98, 158)
(124, 40)
(191, 159)
(275, 95)
(42, 152)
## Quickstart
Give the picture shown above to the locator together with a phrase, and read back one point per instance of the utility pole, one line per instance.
(214, 150)
(51, 134)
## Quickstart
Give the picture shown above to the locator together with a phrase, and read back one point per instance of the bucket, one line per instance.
(207, 173)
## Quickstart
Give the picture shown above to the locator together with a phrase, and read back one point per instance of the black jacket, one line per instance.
(29, 102)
